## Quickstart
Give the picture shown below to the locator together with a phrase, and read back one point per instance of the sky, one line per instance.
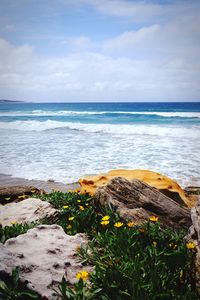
(100, 50)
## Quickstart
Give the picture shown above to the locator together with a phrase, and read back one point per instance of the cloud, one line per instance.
(137, 9)
(77, 43)
(154, 61)
(140, 10)
(93, 76)
(130, 39)
(178, 38)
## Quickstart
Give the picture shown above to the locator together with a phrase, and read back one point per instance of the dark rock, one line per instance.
(193, 194)
(192, 190)
(16, 193)
(137, 200)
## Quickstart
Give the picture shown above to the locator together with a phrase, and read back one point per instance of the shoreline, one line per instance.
(47, 186)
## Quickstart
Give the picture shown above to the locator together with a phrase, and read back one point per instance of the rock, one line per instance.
(192, 190)
(41, 185)
(28, 210)
(194, 236)
(137, 199)
(10, 193)
(44, 255)
(193, 194)
(166, 185)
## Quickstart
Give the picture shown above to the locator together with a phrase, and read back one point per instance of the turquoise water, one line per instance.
(65, 141)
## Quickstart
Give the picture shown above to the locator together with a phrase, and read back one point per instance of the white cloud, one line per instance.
(93, 76)
(129, 40)
(77, 43)
(158, 61)
(140, 10)
(137, 9)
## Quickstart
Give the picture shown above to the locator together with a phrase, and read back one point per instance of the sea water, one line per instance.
(66, 141)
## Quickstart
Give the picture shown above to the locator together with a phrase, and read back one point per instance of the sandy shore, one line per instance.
(47, 186)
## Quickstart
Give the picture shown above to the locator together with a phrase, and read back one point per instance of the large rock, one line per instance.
(28, 210)
(194, 236)
(44, 254)
(10, 193)
(137, 200)
(166, 185)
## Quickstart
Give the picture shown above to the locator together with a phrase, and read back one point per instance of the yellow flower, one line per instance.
(154, 243)
(118, 224)
(153, 219)
(13, 222)
(22, 196)
(105, 218)
(104, 223)
(69, 226)
(78, 248)
(7, 198)
(79, 201)
(82, 275)
(71, 218)
(131, 224)
(70, 191)
(81, 207)
(66, 206)
(190, 245)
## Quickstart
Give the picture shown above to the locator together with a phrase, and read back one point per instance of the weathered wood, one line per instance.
(128, 196)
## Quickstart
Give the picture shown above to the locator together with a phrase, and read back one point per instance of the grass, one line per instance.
(12, 289)
(8, 232)
(141, 263)
(130, 261)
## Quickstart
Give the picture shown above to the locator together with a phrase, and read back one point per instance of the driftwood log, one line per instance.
(137, 201)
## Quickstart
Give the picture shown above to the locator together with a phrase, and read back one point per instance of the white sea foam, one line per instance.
(122, 129)
(74, 113)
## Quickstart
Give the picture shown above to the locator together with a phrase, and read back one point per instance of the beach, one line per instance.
(46, 186)
(66, 141)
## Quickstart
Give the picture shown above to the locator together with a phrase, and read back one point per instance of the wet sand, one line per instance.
(47, 186)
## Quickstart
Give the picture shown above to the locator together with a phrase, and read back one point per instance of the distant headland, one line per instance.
(9, 101)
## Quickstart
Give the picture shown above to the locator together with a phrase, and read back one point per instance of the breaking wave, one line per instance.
(74, 113)
(124, 129)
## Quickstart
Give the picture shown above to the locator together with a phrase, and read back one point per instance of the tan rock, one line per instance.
(166, 185)
(26, 211)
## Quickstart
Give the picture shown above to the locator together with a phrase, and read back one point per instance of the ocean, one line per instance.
(66, 141)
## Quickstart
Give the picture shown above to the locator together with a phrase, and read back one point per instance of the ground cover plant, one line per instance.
(12, 289)
(8, 232)
(130, 261)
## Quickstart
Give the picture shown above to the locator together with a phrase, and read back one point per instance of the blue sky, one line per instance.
(100, 50)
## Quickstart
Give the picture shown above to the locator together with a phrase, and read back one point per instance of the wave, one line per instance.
(38, 113)
(121, 129)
